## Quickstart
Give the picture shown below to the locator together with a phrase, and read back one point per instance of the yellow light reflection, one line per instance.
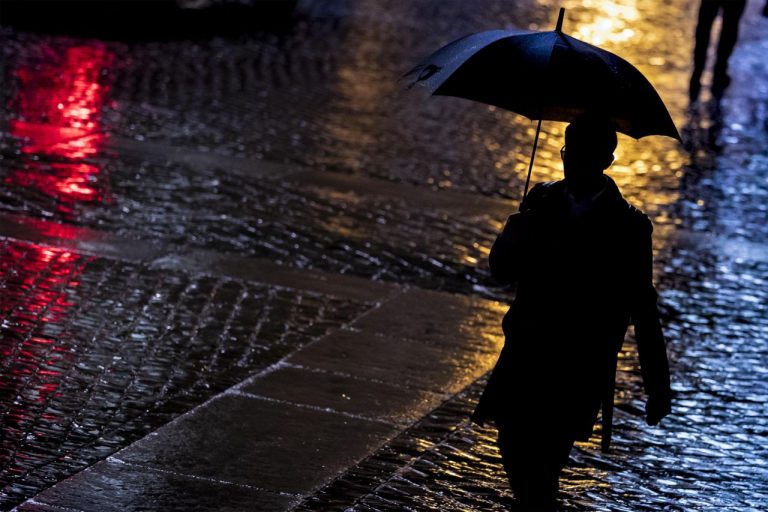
(484, 249)
(610, 22)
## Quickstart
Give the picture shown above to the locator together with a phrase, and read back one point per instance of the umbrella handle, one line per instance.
(533, 155)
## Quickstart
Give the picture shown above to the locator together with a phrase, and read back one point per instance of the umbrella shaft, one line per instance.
(533, 155)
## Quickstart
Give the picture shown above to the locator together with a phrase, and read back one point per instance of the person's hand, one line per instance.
(656, 408)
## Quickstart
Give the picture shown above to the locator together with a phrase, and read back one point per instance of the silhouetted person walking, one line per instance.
(582, 261)
(731, 11)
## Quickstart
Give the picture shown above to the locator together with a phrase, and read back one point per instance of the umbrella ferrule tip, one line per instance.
(559, 27)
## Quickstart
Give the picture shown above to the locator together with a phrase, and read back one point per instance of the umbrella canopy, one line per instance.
(546, 75)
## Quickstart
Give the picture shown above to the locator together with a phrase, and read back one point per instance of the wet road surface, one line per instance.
(237, 146)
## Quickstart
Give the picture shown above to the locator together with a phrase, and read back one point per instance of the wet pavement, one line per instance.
(300, 148)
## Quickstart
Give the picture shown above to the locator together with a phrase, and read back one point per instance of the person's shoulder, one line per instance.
(541, 194)
(630, 215)
(638, 220)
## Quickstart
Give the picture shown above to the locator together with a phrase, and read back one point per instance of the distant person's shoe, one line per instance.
(765, 10)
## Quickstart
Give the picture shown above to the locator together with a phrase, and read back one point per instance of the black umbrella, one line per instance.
(546, 75)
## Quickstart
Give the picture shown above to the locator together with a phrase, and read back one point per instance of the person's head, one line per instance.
(589, 143)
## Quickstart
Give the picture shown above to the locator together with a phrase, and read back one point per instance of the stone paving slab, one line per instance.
(167, 256)
(267, 444)
(438, 318)
(167, 153)
(388, 401)
(263, 270)
(250, 442)
(307, 177)
(81, 239)
(455, 202)
(409, 363)
(116, 486)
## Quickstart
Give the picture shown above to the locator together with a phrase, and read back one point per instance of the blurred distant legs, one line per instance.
(707, 13)
(730, 11)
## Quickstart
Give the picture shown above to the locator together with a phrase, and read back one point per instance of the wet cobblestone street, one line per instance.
(299, 147)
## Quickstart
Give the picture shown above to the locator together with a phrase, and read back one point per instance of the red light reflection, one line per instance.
(38, 287)
(72, 181)
(59, 107)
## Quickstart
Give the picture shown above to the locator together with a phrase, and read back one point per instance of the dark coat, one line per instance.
(580, 281)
